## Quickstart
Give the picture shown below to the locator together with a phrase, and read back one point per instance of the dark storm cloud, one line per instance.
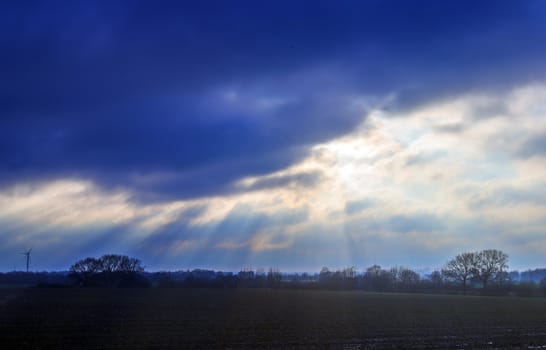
(181, 100)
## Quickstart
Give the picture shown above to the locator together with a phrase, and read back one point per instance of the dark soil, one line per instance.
(264, 319)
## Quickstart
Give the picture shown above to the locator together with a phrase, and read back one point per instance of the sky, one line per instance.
(295, 135)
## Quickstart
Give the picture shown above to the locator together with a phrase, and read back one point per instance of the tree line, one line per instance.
(109, 270)
(487, 266)
(483, 272)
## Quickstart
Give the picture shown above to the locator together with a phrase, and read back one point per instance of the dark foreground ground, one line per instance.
(264, 319)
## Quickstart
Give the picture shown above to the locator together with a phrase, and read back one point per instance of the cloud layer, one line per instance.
(285, 134)
(181, 101)
(400, 189)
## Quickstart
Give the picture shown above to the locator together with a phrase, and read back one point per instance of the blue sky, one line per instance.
(295, 135)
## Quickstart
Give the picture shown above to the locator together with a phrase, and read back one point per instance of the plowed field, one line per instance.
(264, 319)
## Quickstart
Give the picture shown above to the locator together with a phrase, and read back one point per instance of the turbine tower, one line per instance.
(27, 254)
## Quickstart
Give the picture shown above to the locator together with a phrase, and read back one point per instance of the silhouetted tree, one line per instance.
(461, 268)
(436, 278)
(489, 265)
(108, 270)
(404, 278)
(325, 275)
(377, 279)
(119, 263)
(245, 277)
(345, 278)
(83, 270)
(485, 266)
(409, 279)
(349, 272)
(274, 277)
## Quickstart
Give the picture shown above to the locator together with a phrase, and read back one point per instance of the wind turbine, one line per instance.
(27, 254)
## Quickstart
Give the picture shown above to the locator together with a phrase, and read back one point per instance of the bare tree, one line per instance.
(119, 263)
(274, 277)
(106, 268)
(409, 278)
(325, 274)
(87, 265)
(373, 271)
(461, 268)
(127, 264)
(376, 278)
(349, 272)
(404, 278)
(84, 269)
(436, 278)
(490, 265)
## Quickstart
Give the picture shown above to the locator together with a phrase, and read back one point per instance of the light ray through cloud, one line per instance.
(273, 134)
(408, 185)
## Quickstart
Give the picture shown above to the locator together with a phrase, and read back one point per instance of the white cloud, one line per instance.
(438, 162)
